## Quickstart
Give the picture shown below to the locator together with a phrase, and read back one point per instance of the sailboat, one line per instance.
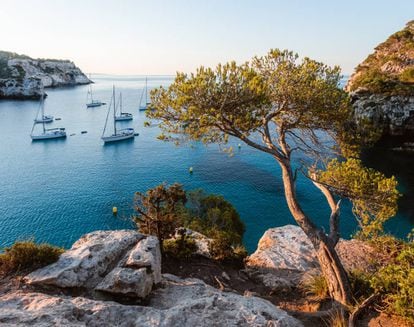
(47, 133)
(143, 107)
(118, 135)
(92, 102)
(44, 118)
(122, 115)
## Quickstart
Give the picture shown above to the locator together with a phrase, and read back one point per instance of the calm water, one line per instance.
(57, 190)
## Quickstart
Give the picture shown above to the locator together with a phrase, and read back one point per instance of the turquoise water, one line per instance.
(57, 190)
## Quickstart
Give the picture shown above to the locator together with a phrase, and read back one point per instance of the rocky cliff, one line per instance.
(22, 77)
(382, 86)
(113, 278)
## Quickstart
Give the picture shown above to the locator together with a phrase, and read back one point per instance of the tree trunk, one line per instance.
(332, 269)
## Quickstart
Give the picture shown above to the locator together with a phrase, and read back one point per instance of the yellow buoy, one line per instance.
(190, 170)
(114, 210)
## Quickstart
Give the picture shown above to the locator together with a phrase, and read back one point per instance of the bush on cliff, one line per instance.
(27, 255)
(163, 209)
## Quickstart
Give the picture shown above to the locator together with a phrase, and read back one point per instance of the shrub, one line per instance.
(317, 287)
(159, 210)
(180, 248)
(27, 255)
(395, 282)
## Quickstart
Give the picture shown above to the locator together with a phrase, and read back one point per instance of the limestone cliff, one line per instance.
(382, 86)
(22, 77)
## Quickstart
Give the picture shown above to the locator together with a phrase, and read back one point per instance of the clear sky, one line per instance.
(165, 36)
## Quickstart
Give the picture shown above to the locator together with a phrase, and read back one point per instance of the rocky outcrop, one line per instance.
(178, 302)
(382, 87)
(285, 257)
(92, 282)
(22, 77)
(120, 262)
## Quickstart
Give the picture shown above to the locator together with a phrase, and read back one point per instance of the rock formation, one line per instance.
(22, 77)
(382, 87)
(107, 266)
(285, 257)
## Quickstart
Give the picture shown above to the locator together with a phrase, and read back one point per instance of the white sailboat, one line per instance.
(44, 118)
(143, 107)
(118, 135)
(122, 115)
(47, 133)
(90, 102)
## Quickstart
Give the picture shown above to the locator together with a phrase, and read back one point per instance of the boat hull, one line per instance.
(123, 118)
(119, 137)
(94, 104)
(48, 136)
(44, 120)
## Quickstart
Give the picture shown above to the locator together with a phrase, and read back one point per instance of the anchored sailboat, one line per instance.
(90, 102)
(143, 107)
(118, 135)
(122, 115)
(44, 118)
(47, 133)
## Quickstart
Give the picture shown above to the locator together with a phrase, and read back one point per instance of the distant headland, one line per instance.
(22, 77)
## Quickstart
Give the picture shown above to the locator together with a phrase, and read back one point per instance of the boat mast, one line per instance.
(43, 111)
(113, 95)
(146, 91)
(120, 103)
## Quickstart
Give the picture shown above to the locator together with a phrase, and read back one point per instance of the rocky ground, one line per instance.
(119, 278)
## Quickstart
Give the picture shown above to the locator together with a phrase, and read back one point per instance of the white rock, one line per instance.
(285, 253)
(89, 259)
(284, 247)
(127, 281)
(146, 254)
(180, 303)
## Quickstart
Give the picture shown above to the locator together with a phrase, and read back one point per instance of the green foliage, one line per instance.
(394, 51)
(395, 282)
(158, 211)
(317, 287)
(216, 218)
(182, 248)
(209, 213)
(373, 196)
(27, 255)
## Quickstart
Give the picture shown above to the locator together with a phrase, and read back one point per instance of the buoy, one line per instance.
(239, 145)
(190, 170)
(114, 210)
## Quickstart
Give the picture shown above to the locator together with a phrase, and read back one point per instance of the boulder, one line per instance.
(284, 247)
(285, 257)
(127, 281)
(180, 302)
(89, 259)
(146, 254)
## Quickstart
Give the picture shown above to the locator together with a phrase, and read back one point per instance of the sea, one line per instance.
(57, 190)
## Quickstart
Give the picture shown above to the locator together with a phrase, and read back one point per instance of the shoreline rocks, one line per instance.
(382, 87)
(22, 77)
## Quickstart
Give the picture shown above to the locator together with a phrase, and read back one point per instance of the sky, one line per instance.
(161, 37)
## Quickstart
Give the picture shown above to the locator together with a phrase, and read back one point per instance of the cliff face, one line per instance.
(382, 87)
(22, 77)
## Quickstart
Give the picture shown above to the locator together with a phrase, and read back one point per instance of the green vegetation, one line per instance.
(375, 74)
(281, 105)
(161, 211)
(317, 287)
(27, 255)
